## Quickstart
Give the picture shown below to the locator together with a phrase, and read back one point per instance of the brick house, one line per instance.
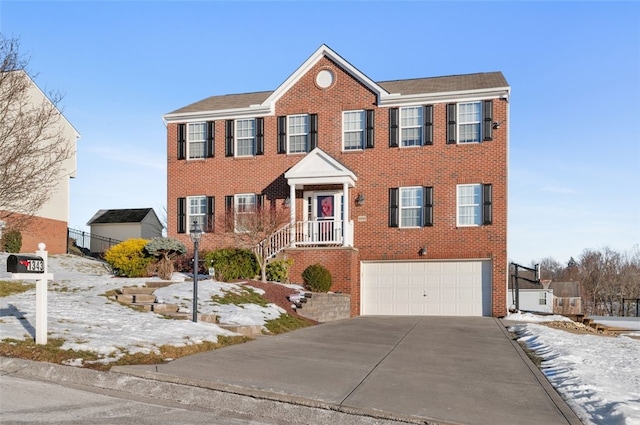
(399, 188)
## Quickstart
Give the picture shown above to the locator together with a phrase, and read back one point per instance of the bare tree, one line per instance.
(33, 148)
(549, 268)
(258, 229)
(608, 276)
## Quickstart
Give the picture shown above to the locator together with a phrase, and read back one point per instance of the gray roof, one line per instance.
(485, 80)
(135, 215)
(560, 289)
(566, 289)
(449, 83)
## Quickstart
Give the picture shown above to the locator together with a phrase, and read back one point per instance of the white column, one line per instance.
(346, 232)
(292, 210)
(41, 299)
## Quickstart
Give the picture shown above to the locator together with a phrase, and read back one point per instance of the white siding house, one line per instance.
(123, 224)
(49, 223)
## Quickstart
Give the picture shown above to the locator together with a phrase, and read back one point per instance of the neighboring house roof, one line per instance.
(560, 289)
(388, 92)
(136, 215)
(523, 284)
(566, 289)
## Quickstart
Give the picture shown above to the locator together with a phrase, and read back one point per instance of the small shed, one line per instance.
(532, 297)
(123, 224)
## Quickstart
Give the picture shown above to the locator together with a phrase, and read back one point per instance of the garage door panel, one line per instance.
(427, 288)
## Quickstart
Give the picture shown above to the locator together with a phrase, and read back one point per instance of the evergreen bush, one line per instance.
(129, 258)
(232, 264)
(317, 278)
(165, 250)
(12, 241)
(278, 270)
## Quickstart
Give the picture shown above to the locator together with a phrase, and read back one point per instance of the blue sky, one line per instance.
(574, 70)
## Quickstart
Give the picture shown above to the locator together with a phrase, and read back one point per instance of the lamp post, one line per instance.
(196, 234)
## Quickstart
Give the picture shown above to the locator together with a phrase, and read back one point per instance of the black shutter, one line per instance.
(182, 216)
(368, 128)
(261, 201)
(210, 147)
(393, 206)
(427, 116)
(259, 136)
(229, 138)
(313, 131)
(228, 213)
(393, 128)
(211, 209)
(282, 134)
(427, 212)
(451, 124)
(487, 120)
(487, 213)
(181, 141)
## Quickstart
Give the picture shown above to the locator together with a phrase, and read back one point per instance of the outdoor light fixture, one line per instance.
(496, 125)
(287, 202)
(422, 251)
(359, 199)
(196, 234)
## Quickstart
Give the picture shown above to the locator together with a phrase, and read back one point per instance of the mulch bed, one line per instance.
(277, 294)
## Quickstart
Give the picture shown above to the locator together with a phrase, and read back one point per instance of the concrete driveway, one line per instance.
(436, 370)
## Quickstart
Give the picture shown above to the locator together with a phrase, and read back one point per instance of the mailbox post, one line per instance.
(34, 267)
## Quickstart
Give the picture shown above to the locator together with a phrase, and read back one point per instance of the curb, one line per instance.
(204, 394)
(552, 393)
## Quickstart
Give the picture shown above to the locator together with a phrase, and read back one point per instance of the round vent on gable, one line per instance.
(324, 78)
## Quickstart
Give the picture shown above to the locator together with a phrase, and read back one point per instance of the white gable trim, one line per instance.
(318, 167)
(323, 51)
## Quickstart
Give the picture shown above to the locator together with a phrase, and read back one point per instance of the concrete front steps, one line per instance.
(325, 307)
(142, 297)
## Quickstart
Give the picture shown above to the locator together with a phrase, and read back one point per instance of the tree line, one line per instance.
(606, 277)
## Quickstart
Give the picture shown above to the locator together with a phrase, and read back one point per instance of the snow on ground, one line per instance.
(79, 313)
(598, 376)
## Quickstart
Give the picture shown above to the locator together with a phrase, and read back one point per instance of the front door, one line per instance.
(324, 217)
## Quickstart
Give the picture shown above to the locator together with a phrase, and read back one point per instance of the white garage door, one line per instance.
(430, 288)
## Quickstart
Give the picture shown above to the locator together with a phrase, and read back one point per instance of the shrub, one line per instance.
(129, 258)
(165, 250)
(278, 270)
(12, 241)
(317, 278)
(232, 264)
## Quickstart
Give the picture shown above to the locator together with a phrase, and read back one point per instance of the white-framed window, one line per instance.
(245, 204)
(542, 299)
(411, 126)
(298, 133)
(353, 126)
(245, 137)
(196, 134)
(469, 204)
(411, 203)
(197, 211)
(469, 122)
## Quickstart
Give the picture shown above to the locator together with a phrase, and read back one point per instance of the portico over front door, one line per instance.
(325, 213)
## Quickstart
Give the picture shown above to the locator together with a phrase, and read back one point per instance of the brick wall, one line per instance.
(441, 166)
(343, 263)
(37, 229)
